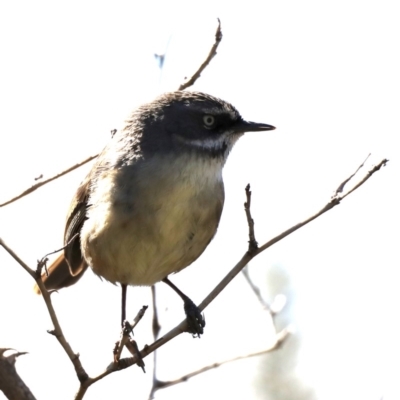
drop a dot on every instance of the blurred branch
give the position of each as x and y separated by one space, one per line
255 289
211 55
52 178
11 384
280 338
156 331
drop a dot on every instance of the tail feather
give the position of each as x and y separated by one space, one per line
59 275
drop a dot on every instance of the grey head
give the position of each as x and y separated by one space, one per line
182 121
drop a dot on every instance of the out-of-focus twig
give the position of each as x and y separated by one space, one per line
255 289
280 338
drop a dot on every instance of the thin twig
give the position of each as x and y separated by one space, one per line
343 184
280 338
255 289
52 178
211 54
190 82
366 177
334 202
253 245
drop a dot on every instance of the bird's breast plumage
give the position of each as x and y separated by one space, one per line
158 222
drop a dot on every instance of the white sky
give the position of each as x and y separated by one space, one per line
326 74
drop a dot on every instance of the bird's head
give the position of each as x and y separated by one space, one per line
191 122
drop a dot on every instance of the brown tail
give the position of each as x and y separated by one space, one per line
59 275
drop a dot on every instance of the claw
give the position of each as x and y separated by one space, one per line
196 321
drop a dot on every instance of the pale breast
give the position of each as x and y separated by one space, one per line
153 219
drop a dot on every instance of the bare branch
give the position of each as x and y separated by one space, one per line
52 178
57 331
211 54
14 255
190 82
253 245
334 202
343 184
367 176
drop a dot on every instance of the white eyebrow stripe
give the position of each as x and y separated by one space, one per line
216 142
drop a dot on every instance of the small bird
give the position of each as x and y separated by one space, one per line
152 201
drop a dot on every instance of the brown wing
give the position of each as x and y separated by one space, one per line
75 220
69 267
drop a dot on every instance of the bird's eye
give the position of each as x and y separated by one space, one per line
209 121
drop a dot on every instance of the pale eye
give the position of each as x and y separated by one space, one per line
209 121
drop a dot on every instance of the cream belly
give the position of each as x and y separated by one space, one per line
141 235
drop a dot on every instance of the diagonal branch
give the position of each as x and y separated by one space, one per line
211 55
343 184
52 178
190 82
255 289
280 339
57 331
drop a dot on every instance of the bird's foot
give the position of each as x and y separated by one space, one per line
196 321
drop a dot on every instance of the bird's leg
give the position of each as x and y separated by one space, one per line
123 304
195 320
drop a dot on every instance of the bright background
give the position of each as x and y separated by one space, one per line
326 74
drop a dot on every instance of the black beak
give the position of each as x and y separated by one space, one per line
246 126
